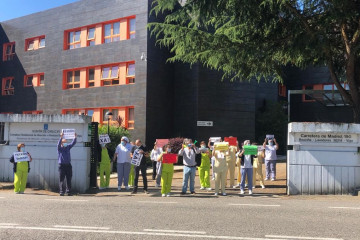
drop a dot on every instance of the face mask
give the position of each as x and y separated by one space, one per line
189 145
271 143
248 144
169 150
123 143
102 145
22 149
65 144
203 146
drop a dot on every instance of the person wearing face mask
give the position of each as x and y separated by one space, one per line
204 168
231 162
123 158
65 168
132 169
142 167
246 162
21 170
105 167
188 153
167 172
155 153
220 169
270 158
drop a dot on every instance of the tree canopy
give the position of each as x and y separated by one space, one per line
249 39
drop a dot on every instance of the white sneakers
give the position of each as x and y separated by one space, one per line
168 195
224 194
163 195
157 185
273 179
216 194
241 191
236 186
266 179
262 186
127 188
250 192
202 188
209 189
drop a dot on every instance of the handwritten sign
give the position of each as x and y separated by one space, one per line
213 140
104 138
250 150
161 142
68 133
231 140
269 136
221 146
21 157
169 158
136 159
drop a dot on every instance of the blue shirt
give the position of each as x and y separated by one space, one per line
64 152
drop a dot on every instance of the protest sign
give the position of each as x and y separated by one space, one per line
250 150
104 138
169 158
269 136
136 159
161 142
21 157
231 140
214 140
221 146
68 133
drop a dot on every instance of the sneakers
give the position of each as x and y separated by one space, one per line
273 179
236 186
209 189
262 186
119 189
127 187
253 187
213 179
266 179
193 193
202 188
102 188
168 195
224 194
183 193
62 194
241 191
163 195
146 192
216 194
157 185
246 185
134 192
250 192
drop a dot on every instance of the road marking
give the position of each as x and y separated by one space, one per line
296 237
354 208
8 224
173 231
254 205
66 200
134 233
156 202
81 227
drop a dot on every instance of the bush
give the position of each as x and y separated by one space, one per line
115 134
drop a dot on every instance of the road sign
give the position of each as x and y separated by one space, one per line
205 123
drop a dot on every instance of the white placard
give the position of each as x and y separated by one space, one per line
68 133
104 138
136 159
21 157
205 123
269 136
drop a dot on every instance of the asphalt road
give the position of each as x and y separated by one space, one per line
113 215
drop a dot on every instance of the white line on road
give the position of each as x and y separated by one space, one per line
156 202
81 227
254 205
134 233
8 224
356 208
173 231
296 237
66 200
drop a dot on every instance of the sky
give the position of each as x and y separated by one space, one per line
10 9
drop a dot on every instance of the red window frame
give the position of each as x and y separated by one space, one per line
35 112
90 40
72 83
130 79
72 44
38 83
10 90
131 33
8 56
28 40
110 80
112 36
282 90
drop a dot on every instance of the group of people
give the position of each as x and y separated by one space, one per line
221 161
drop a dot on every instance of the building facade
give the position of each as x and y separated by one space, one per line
94 56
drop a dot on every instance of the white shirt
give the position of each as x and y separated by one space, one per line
270 152
123 153
155 153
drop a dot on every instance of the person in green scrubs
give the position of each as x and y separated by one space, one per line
21 170
105 168
167 172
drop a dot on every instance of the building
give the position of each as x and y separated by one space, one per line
94 56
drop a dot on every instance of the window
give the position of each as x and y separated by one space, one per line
132 28
35 112
91 77
34 43
8 51
73 79
131 121
130 73
282 90
34 80
7 86
91 37
74 112
110 75
305 97
112 32
2 132
74 39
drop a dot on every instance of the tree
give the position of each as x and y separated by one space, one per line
255 39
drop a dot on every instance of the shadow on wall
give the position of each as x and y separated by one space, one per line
24 98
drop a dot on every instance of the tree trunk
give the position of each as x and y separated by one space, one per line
356 112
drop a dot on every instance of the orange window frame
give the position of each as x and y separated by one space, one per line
38 82
29 40
72 82
130 79
89 40
11 89
109 77
88 81
130 122
8 56
131 33
35 112
112 35
74 43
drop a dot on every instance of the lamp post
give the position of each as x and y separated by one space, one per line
108 115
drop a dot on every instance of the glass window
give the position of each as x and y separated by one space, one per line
8 86
116 29
77 76
29 80
31 45
131 70
131 121
9 52
91 37
328 87
105 73
107 30
91 77
42 79
73 79
90 112
74 40
132 27
114 72
42 43
112 32
69 77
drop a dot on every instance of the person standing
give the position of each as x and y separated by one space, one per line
21 170
220 169
246 162
167 172
231 162
65 167
188 153
204 168
270 146
105 167
132 169
155 153
257 168
142 150
123 158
